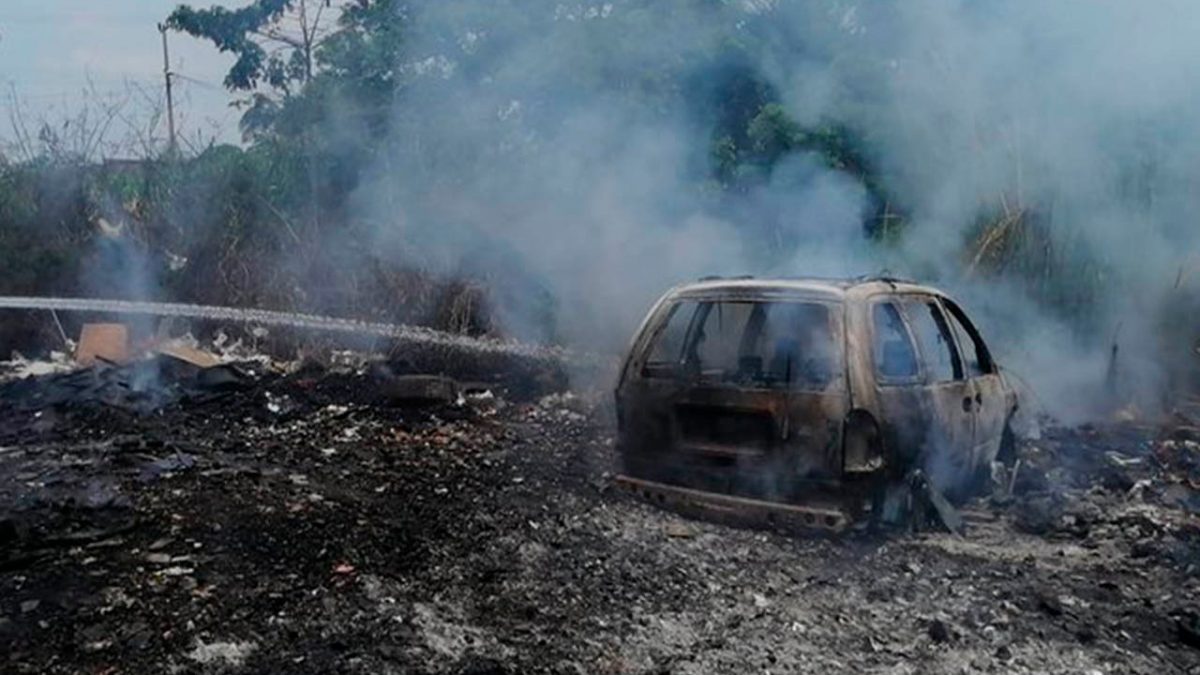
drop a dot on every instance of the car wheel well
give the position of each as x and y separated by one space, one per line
860 418
862 443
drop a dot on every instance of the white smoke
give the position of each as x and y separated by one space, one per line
1082 115
553 170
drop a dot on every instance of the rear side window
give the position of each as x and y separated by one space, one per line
666 352
752 344
942 362
978 359
895 357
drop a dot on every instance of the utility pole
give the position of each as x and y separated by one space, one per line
162 28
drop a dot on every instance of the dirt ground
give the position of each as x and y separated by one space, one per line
300 525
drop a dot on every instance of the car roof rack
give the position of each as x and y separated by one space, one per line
718 277
884 276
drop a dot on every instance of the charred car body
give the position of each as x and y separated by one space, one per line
807 399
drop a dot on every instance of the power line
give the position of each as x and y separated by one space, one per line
202 83
71 93
34 90
59 15
84 92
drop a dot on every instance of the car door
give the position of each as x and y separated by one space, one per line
920 397
650 386
948 454
990 402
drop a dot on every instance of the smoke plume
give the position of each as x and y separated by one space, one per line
1055 135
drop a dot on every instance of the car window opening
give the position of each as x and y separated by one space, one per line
895 356
942 361
787 344
978 359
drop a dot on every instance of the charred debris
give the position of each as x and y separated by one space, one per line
211 508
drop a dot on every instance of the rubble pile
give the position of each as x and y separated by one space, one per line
352 520
19 367
1138 485
141 386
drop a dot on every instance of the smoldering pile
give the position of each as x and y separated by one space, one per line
107 367
1115 481
143 386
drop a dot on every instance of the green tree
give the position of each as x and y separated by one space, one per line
276 44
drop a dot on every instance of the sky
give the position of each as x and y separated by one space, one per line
51 49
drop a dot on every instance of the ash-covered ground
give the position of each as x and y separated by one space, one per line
303 523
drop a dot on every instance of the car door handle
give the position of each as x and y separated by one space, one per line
966 404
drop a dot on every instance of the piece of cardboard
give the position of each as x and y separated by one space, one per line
102 342
196 357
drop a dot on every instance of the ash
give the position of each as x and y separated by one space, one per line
310 522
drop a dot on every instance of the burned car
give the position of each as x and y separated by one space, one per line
808 400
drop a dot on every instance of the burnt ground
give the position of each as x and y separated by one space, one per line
299 525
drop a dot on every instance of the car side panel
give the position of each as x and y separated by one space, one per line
903 412
992 409
923 425
994 400
947 455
